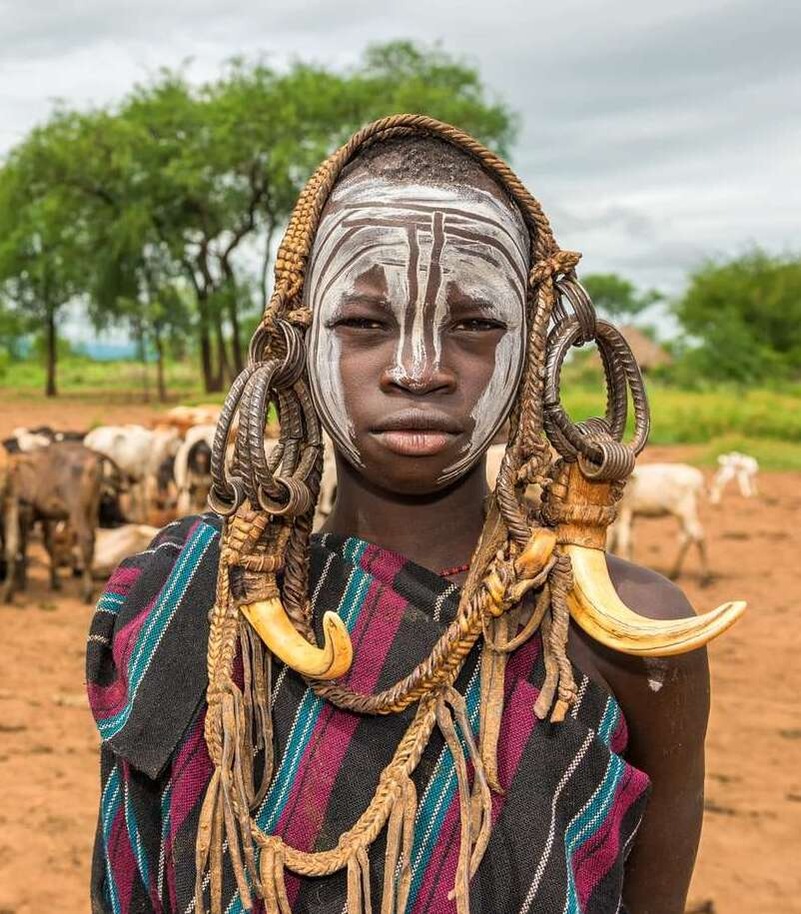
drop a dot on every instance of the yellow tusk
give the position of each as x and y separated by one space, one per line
274 627
596 607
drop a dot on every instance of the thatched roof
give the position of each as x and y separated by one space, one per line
648 353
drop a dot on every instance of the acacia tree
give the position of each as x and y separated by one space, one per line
40 241
226 163
195 182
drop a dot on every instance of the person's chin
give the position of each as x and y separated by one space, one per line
406 468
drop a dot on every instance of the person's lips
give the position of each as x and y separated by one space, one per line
417 433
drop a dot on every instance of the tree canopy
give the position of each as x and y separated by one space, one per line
161 212
744 316
617 297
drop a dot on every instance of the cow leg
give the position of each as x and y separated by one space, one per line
706 575
86 546
50 546
12 539
21 562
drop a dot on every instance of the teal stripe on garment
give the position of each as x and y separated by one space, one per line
110 602
136 839
587 822
309 709
166 799
437 798
110 801
158 621
609 721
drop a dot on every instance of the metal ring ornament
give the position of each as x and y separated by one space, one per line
599 456
223 507
298 497
223 490
293 360
581 304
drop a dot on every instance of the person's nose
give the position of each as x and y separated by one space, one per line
429 378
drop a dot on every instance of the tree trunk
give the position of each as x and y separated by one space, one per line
233 317
159 343
140 338
236 337
50 346
223 363
211 383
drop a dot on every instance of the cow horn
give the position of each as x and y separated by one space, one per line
596 607
273 626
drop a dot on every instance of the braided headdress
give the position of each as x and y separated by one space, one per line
268 504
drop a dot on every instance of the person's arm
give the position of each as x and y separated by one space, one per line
666 704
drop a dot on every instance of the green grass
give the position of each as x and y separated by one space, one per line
696 417
764 423
78 377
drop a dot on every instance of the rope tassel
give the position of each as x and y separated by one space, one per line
400 837
475 826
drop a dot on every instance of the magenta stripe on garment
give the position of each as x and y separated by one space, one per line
122 855
382 565
599 852
304 813
517 724
122 580
191 774
108 700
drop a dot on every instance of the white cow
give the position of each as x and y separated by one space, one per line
734 465
112 546
138 452
662 490
30 441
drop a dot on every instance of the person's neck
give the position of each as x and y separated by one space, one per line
437 531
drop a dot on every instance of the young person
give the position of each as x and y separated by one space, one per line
394 714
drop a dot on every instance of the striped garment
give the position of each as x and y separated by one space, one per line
562 828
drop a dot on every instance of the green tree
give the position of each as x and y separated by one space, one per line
744 316
190 185
616 297
40 248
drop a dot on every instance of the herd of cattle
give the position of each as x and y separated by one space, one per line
73 485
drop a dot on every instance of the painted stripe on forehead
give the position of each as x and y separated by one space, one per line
366 191
341 268
351 226
456 213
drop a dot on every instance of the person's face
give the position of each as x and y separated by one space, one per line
418 329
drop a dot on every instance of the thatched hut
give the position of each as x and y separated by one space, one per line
649 354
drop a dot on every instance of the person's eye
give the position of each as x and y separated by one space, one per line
361 323
478 325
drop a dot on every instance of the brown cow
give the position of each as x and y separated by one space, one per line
61 482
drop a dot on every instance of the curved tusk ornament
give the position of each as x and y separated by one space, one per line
274 627
594 603
597 608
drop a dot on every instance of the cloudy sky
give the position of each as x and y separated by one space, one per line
653 133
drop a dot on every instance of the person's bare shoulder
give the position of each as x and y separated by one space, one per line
665 701
648 686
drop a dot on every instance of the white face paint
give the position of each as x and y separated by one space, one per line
427 241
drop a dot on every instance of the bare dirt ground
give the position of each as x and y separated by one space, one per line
748 862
